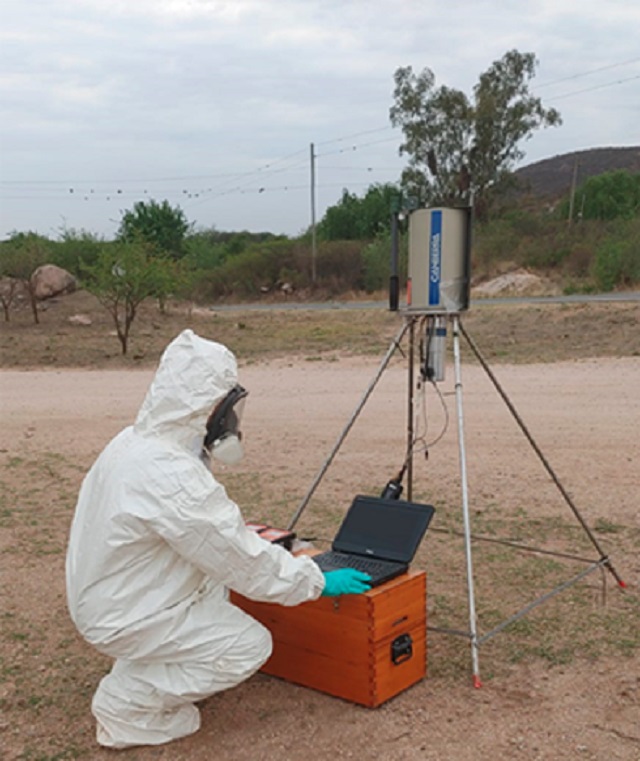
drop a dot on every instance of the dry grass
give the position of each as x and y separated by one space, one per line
47 674
522 333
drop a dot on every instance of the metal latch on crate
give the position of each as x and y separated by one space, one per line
401 649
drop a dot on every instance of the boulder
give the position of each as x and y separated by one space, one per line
80 319
517 283
50 280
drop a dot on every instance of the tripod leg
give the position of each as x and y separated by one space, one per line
387 358
411 411
465 505
542 458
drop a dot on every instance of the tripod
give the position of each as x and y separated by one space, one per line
409 328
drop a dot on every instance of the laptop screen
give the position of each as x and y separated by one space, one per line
384 528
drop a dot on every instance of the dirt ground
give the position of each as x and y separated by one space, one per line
562 683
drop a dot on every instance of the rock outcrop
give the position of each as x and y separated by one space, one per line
50 280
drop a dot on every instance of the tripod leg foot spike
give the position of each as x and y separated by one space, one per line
476 682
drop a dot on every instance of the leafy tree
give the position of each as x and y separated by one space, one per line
210 248
339 222
459 146
354 218
611 195
75 247
376 260
172 278
22 254
202 253
161 225
124 275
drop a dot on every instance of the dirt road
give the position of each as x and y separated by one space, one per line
556 702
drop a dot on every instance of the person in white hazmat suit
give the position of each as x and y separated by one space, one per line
156 544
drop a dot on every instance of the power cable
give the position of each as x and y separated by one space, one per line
226 175
229 175
355 147
591 89
586 73
355 134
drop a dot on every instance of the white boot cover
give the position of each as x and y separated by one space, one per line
150 702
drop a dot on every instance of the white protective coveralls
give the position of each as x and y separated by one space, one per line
155 545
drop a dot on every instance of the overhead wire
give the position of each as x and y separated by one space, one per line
595 87
581 74
232 183
355 134
240 182
355 147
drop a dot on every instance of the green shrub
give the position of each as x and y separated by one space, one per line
249 273
202 254
339 265
617 263
610 195
75 249
376 259
525 223
495 240
578 261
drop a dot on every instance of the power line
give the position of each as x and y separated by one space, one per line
243 188
356 134
226 177
152 180
586 73
362 168
229 180
355 147
591 89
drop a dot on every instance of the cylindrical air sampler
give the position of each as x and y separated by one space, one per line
439 260
439 276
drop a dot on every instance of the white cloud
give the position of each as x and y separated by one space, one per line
121 90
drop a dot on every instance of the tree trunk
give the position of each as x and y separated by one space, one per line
34 302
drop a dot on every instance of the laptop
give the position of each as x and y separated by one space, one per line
378 536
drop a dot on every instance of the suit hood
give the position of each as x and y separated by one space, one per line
194 374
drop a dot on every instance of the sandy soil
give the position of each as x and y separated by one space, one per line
584 415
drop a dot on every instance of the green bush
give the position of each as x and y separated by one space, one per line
525 223
359 218
339 266
376 259
201 254
495 240
75 249
250 273
208 249
617 263
610 195
264 267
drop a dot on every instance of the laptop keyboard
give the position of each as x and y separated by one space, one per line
333 561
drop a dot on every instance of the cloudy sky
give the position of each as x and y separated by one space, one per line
214 104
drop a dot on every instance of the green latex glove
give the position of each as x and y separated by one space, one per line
345 581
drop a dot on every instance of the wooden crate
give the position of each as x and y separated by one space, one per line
363 648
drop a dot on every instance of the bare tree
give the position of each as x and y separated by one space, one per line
19 259
124 275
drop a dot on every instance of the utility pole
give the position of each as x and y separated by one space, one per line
572 196
313 215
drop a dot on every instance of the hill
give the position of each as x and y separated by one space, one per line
552 177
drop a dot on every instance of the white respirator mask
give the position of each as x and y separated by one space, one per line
228 450
223 439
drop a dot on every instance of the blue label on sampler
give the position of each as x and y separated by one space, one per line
435 257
